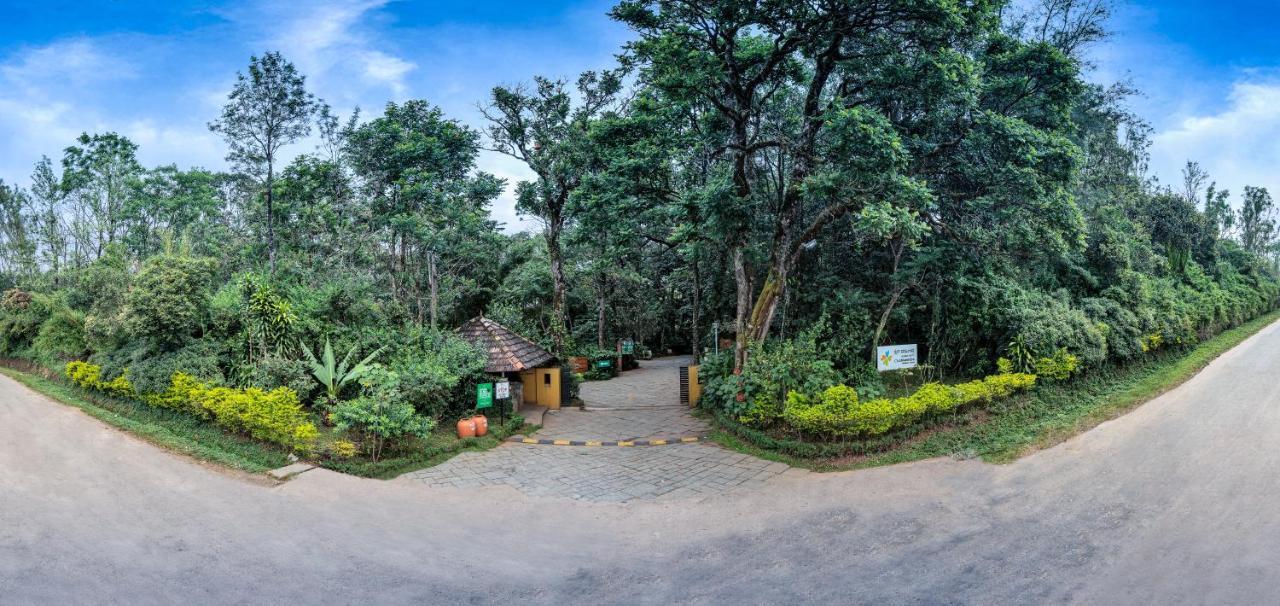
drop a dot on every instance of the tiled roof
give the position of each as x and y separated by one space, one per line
508 351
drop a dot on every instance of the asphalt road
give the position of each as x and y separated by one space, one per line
1175 503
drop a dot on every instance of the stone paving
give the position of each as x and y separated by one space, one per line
655 383
625 424
605 474
640 404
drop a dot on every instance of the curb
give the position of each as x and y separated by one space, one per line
619 443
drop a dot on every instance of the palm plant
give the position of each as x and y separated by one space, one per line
333 375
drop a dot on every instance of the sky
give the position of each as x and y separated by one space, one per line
159 72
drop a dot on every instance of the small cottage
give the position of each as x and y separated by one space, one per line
533 371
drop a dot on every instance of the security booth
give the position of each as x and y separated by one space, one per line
534 372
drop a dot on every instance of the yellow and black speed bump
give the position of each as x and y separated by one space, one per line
622 443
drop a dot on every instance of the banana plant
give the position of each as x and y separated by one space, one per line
334 376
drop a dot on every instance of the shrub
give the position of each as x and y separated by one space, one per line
1002 386
380 414
837 412
274 371
438 373
24 315
60 337
84 374
1059 367
273 416
169 300
185 393
89 376
151 370
936 398
772 371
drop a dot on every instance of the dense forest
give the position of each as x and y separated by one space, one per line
790 183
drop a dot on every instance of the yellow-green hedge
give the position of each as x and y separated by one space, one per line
836 412
273 416
89 376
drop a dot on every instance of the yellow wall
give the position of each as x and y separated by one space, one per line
695 388
529 387
542 387
549 387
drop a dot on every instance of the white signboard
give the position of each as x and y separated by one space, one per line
895 357
502 390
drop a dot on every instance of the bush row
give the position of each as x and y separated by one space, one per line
837 411
273 416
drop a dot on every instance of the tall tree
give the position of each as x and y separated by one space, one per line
795 86
268 109
99 172
1257 222
50 227
1217 210
17 249
547 130
417 166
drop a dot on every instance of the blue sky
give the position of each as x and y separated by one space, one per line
158 72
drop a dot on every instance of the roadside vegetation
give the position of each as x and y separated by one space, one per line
1004 432
791 184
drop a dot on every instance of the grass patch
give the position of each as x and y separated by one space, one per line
171 430
1013 428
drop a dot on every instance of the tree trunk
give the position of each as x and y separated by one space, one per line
600 314
433 285
271 219
695 338
556 261
744 308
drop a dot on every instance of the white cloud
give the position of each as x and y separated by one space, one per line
64 64
382 68
1238 145
40 99
332 43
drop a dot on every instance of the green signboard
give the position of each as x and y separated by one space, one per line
628 347
484 395
604 363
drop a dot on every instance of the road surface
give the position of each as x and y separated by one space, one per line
1175 503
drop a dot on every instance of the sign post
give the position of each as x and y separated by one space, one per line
895 357
502 391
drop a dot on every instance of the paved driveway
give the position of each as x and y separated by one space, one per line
1172 504
640 404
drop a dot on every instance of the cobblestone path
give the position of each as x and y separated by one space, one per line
639 404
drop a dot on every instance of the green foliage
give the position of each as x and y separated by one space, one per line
61 337
380 413
1059 367
268 318
334 375
273 416
838 413
169 301
772 371
275 371
151 370
438 373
